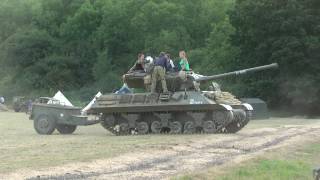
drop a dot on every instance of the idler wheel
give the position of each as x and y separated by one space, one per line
155 127
208 127
142 127
175 127
189 127
108 121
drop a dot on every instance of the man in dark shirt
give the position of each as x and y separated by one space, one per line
159 72
139 64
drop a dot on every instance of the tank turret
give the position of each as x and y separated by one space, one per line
180 81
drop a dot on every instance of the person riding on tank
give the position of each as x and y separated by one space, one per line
139 64
160 66
184 68
184 64
171 66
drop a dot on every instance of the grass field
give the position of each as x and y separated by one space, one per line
296 162
22 148
284 164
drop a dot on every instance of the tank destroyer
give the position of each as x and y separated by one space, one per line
186 109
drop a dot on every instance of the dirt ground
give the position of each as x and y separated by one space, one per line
162 161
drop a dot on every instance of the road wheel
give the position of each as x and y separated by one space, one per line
66 129
156 127
189 127
209 127
123 128
43 124
142 127
175 127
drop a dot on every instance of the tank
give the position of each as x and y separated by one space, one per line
186 109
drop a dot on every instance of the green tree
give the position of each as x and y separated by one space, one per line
286 32
106 79
82 46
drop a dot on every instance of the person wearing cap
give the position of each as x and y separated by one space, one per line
159 72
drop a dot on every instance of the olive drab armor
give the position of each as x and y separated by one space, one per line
186 109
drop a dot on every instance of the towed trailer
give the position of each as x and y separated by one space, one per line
49 114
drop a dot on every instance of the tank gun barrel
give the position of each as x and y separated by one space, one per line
239 72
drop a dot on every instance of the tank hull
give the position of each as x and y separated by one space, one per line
182 112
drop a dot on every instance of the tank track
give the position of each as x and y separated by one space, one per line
182 122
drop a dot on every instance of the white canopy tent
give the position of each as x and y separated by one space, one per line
63 100
85 109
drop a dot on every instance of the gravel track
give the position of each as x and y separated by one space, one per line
213 150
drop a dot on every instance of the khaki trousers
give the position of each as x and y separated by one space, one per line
159 74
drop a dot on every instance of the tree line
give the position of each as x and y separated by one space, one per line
82 46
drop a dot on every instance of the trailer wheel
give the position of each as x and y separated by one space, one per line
66 129
43 124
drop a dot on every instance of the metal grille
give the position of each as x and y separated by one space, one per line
125 98
139 98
